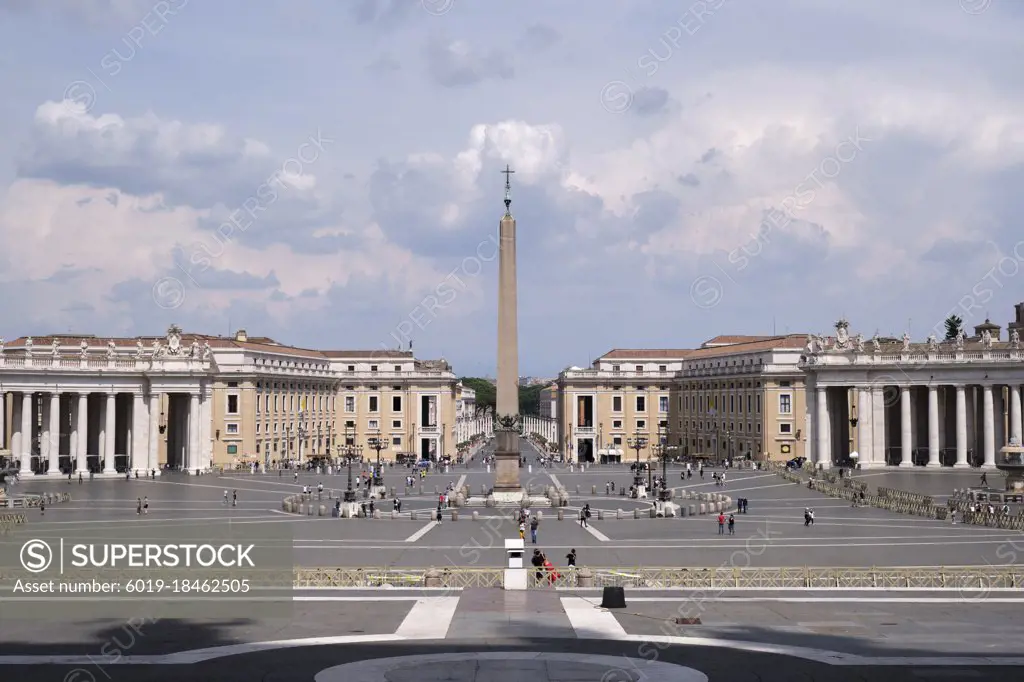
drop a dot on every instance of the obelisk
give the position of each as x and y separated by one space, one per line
506 454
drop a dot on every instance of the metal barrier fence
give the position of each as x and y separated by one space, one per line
904 496
33 500
930 577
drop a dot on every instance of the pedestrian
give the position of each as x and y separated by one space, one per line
522 531
570 558
371 507
538 562
79 478
583 518
234 498
952 517
721 523
225 498
807 517
138 506
732 525
145 505
534 525
812 517
439 518
42 507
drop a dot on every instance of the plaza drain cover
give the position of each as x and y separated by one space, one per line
687 621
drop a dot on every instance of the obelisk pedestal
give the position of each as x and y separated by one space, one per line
506 454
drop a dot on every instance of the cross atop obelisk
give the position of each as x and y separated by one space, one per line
506 453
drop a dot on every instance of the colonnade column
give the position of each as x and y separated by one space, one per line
140 457
54 434
933 426
961 426
154 431
193 431
83 431
27 432
205 424
906 434
109 466
3 421
16 424
878 424
989 427
1015 424
864 425
824 454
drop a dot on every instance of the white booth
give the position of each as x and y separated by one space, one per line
515 571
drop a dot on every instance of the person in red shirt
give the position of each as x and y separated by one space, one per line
721 523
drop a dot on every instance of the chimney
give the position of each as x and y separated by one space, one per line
241 336
1017 324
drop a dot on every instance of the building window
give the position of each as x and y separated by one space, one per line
616 403
373 403
396 423
785 404
232 449
785 428
373 424
396 441
351 368
758 403
615 368
232 404
732 404
662 368
617 441
233 428
616 423
373 368
641 424
663 403
396 403
257 427
350 403
785 384
641 403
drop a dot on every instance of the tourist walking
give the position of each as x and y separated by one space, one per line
732 525
226 498
439 513
234 498
145 505
721 523
42 507
807 516
522 531
79 478
570 558
984 480
534 525
138 506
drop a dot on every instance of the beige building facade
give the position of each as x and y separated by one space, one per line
735 396
193 402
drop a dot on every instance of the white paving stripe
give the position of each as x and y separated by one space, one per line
429 618
461 482
601 537
590 621
412 538
960 599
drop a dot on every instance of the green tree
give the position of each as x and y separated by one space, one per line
487 395
954 325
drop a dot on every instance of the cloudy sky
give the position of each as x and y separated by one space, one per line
328 173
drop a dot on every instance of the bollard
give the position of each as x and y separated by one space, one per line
309 509
577 490
421 489
619 514
323 510
584 578
476 515
693 510
376 513
593 490
682 511
455 515
394 514
540 515
561 514
483 490
654 513
670 512
437 491
600 514
636 513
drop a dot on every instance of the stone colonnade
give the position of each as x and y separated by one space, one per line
106 431
903 424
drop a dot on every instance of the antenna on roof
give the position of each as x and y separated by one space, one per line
773 325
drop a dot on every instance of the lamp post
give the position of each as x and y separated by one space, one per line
377 443
637 442
350 452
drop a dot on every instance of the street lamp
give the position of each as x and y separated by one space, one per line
350 452
637 442
377 443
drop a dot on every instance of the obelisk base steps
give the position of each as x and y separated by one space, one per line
506 462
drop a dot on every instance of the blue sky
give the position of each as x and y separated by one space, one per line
327 173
